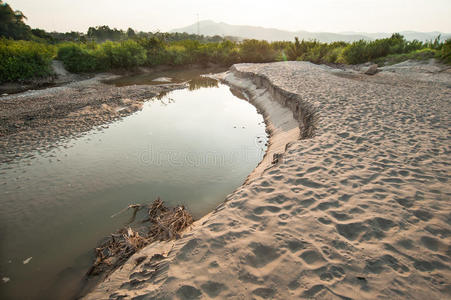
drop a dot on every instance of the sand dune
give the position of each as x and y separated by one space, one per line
360 209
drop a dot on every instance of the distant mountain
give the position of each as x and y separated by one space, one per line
211 28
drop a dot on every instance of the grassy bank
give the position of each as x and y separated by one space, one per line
26 53
22 60
87 57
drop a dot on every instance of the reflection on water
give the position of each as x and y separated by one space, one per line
201 82
191 147
196 83
173 75
162 95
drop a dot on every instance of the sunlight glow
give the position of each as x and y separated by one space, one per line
320 15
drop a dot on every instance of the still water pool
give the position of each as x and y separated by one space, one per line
192 147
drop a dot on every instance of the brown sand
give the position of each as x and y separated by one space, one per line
358 210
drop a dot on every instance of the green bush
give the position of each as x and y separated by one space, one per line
254 51
123 55
364 51
228 53
77 58
296 50
82 52
423 54
334 55
414 45
302 50
446 52
315 51
22 60
175 55
355 52
155 50
98 57
224 53
436 44
396 45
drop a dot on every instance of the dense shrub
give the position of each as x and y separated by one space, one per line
414 45
446 51
223 53
436 44
315 51
254 51
22 60
77 58
226 53
363 51
335 55
422 54
94 57
126 54
154 48
355 52
296 50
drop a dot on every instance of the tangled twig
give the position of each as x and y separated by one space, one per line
162 223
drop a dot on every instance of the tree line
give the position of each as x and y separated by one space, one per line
27 53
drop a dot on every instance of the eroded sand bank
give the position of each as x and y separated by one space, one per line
358 209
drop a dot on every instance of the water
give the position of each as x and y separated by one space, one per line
191 147
172 75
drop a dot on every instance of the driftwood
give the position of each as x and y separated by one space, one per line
162 224
135 207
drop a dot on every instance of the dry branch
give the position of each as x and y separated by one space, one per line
162 224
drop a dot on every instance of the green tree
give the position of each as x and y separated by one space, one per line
12 23
131 33
105 33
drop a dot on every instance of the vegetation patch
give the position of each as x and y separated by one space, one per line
21 60
422 54
26 53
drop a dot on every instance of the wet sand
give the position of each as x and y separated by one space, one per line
356 209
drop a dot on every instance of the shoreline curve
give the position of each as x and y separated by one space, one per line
359 210
283 129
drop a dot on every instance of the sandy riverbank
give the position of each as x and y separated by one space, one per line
359 209
40 119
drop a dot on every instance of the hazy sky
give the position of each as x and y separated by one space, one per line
310 15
